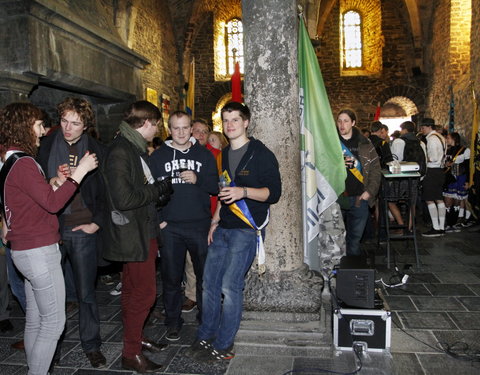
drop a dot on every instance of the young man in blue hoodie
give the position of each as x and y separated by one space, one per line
251 174
186 218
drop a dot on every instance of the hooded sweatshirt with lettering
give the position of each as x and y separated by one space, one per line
189 203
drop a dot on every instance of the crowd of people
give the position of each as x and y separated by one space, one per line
443 164
195 205
71 205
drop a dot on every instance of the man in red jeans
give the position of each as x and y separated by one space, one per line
132 227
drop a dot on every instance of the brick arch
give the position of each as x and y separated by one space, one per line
210 99
394 94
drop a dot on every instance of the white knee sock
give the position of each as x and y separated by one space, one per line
461 213
467 214
441 215
432 209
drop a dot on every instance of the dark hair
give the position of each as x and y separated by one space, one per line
235 106
375 126
349 113
179 114
385 127
409 126
139 112
456 138
80 106
157 142
16 126
365 131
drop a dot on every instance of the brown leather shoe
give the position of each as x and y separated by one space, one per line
19 345
188 305
153 347
140 364
97 359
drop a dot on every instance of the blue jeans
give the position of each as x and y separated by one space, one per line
81 250
355 219
15 279
177 239
229 257
45 292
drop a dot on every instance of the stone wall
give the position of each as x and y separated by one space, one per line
153 38
361 92
209 90
452 57
475 51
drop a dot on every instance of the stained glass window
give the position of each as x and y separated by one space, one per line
352 40
234 44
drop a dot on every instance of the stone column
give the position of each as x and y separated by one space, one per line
271 92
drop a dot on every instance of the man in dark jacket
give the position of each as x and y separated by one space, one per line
81 219
131 227
252 181
363 179
381 146
186 217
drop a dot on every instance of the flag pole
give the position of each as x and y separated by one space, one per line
302 162
473 136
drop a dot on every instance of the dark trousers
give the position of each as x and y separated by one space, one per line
177 241
81 250
355 218
138 296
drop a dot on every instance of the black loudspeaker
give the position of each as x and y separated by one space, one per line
355 283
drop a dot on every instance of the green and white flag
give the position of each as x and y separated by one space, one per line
323 169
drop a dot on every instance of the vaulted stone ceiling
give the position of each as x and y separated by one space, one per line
186 14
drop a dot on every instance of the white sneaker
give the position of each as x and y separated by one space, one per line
117 290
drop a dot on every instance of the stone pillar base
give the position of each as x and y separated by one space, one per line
298 291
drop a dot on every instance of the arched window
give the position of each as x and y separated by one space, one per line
234 44
352 40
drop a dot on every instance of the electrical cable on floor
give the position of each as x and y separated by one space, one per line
402 279
448 349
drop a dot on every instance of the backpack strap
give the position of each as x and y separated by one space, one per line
4 173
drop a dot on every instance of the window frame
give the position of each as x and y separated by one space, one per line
241 59
343 39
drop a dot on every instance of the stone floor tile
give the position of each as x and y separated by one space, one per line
449 290
12 369
437 303
341 362
471 260
458 277
408 289
400 303
260 365
441 364
459 342
429 320
471 303
422 277
466 320
475 288
183 365
412 341
434 259
406 364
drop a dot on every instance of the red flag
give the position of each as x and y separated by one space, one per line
236 85
377 113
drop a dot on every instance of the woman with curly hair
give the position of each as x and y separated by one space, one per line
31 227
